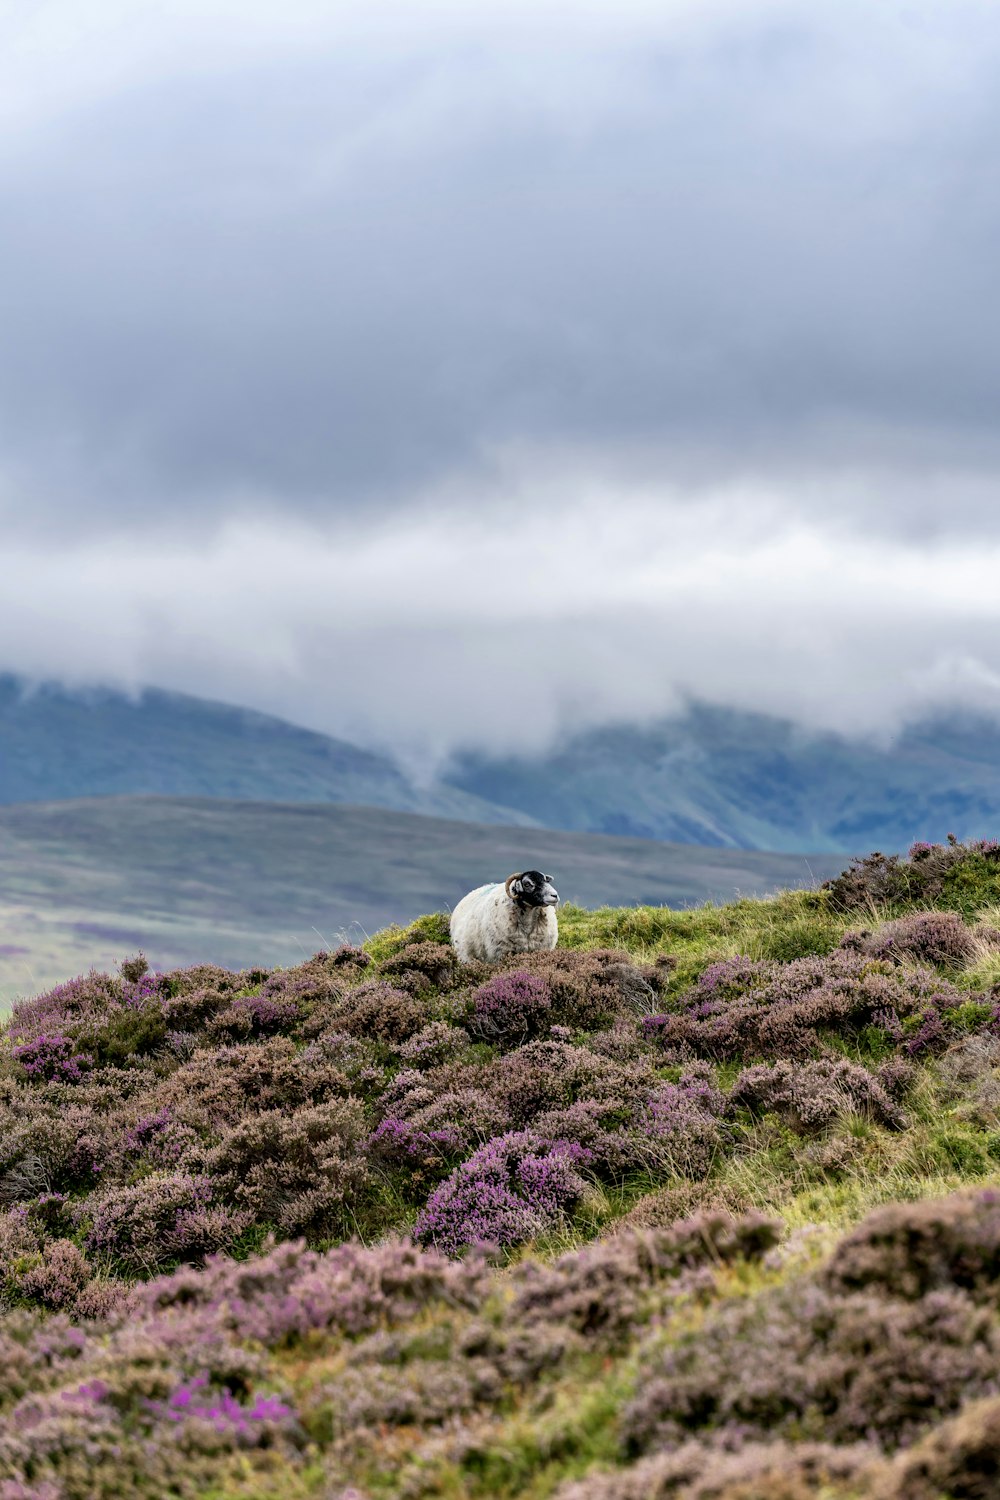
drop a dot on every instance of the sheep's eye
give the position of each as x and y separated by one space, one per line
528 883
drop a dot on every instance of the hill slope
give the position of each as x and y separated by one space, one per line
241 882
740 1177
57 744
754 782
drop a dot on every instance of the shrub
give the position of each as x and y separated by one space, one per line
436 961
510 1190
603 1291
59 1277
52 1057
378 1011
910 1249
296 1170
802 1360
743 1009
810 1096
960 1459
756 1471
165 1217
589 987
290 1291
513 1005
934 937
964 877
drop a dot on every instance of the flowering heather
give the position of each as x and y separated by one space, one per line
910 1249
512 1189
803 1361
786 1010
933 937
813 1095
52 1057
511 1006
963 877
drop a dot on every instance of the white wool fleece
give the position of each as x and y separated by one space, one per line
488 924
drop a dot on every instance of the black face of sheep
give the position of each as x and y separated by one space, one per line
532 888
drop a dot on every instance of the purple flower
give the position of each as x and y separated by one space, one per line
512 1189
52 1057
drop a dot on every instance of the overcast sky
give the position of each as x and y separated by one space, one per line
445 375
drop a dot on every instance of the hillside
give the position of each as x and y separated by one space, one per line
702 1205
57 744
711 776
242 882
750 781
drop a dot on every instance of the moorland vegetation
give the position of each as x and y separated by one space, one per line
701 1205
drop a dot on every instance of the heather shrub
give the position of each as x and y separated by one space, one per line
436 961
589 987
191 1010
378 1011
511 1007
910 1249
963 877
48 1057
436 1043
810 1096
741 1009
162 1218
290 1291
251 1016
926 937
57 1279
296 1171
218 1086
755 1471
604 1290
512 1189
803 1361
960 1459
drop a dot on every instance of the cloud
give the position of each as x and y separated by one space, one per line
449 375
327 258
434 634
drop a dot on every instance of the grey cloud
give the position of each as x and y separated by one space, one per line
349 279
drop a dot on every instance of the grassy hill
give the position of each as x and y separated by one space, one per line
190 879
740 1172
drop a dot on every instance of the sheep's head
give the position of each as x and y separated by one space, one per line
532 888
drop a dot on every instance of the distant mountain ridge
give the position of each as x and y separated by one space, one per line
714 776
56 744
721 777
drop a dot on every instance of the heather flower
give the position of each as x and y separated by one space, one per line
52 1057
910 1249
813 1095
935 937
58 1278
510 1190
511 1005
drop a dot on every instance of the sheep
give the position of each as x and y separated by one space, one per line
494 921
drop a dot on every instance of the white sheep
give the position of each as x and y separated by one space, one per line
495 921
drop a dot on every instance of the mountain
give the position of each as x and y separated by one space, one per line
56 743
711 776
719 777
198 879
